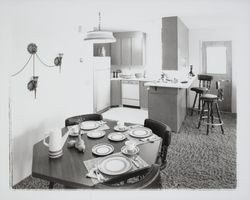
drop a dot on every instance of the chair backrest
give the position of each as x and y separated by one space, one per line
205 80
80 118
150 180
163 131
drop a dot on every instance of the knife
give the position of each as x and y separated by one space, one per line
135 163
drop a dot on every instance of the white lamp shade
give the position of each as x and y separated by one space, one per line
100 37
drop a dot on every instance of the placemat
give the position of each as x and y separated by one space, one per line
103 127
90 164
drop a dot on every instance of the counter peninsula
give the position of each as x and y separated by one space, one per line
167 102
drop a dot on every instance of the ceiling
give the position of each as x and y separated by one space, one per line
122 15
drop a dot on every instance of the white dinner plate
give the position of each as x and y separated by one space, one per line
116 137
121 129
125 151
96 134
140 132
114 165
90 125
102 149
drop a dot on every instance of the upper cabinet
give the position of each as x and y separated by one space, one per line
129 49
175 47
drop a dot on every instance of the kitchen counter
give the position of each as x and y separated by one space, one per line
133 79
170 84
167 102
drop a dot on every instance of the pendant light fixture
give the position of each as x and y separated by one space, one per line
99 36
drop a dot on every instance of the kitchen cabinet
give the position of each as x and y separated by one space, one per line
143 95
175 46
116 52
167 105
116 93
129 49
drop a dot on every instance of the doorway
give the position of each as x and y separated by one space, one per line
217 62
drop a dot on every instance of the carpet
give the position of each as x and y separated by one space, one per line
194 160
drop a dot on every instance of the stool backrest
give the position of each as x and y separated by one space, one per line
220 90
205 80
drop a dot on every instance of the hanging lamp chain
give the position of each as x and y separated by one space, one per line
99 24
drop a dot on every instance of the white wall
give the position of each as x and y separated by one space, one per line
59 95
196 36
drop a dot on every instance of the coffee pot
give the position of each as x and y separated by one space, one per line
56 142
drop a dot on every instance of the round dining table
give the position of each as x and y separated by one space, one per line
69 169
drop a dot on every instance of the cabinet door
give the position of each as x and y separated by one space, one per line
116 97
143 95
126 51
137 51
116 52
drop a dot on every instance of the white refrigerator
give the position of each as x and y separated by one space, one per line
101 83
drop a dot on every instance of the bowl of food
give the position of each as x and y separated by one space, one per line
126 76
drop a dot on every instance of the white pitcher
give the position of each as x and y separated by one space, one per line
56 142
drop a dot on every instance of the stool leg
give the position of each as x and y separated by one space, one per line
199 103
208 116
201 114
212 114
51 185
218 113
193 104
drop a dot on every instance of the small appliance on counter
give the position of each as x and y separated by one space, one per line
116 73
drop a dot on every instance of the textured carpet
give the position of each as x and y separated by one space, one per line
195 160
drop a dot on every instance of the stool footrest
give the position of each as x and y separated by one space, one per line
214 124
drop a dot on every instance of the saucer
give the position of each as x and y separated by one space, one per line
121 129
116 137
125 151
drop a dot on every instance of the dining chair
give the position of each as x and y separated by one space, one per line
80 118
150 179
163 131
204 86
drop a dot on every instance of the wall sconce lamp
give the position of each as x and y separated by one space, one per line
32 49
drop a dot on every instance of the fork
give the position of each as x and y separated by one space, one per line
99 176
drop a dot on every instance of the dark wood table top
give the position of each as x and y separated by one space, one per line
70 170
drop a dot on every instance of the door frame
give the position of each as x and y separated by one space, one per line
228 76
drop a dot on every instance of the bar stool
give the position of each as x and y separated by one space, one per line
204 86
210 100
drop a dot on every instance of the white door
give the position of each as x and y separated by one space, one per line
217 61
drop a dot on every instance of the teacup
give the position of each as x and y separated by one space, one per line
120 124
74 129
130 146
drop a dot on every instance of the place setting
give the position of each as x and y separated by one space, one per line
108 164
89 127
141 135
105 168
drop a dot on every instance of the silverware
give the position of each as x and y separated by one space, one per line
135 162
99 176
149 139
138 160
